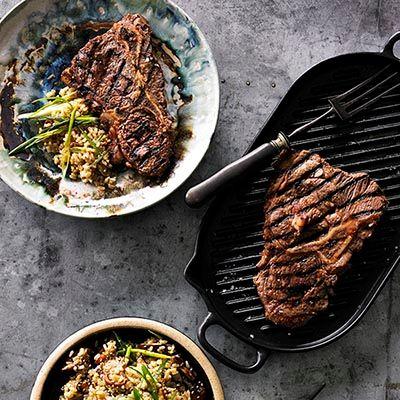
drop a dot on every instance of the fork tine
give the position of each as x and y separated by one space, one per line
371 101
362 84
362 95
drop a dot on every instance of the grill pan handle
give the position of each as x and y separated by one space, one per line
210 320
389 46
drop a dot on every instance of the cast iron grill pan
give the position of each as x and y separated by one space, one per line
230 239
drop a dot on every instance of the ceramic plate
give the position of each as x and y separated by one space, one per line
35 38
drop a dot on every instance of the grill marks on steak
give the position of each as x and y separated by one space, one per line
316 217
119 75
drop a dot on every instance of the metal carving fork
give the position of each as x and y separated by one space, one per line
345 105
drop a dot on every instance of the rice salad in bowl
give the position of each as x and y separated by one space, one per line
127 358
120 370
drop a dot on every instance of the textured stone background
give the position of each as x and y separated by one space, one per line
58 274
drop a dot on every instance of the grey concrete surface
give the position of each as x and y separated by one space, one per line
58 274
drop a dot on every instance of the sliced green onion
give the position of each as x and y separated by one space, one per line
137 370
35 140
84 119
149 379
151 382
128 352
45 134
89 139
99 158
49 109
155 334
150 353
137 395
57 98
66 151
78 150
161 367
173 395
120 343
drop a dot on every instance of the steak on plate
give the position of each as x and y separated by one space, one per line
119 75
316 217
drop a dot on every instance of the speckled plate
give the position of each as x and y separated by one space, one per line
21 32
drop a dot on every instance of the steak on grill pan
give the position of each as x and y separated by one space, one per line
119 74
316 217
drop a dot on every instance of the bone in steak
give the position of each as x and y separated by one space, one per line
118 73
316 217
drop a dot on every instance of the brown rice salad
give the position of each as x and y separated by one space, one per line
151 370
73 138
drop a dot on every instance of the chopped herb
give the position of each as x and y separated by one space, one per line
89 139
42 136
150 353
58 105
99 158
66 151
137 370
172 396
122 345
155 334
151 382
137 395
84 119
78 149
161 367
128 352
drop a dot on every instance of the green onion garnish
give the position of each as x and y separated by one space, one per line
35 140
58 105
137 395
150 353
151 382
161 367
66 151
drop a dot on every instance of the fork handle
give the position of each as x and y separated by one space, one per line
199 194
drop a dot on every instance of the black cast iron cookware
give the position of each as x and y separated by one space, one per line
230 238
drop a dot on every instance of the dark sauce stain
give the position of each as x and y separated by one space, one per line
35 174
96 26
7 128
169 61
177 80
178 153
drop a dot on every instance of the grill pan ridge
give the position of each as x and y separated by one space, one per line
230 240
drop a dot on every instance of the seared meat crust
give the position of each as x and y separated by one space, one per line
119 75
316 217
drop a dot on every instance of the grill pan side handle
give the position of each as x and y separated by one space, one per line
210 320
389 46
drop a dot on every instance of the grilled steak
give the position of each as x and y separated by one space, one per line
118 73
316 217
